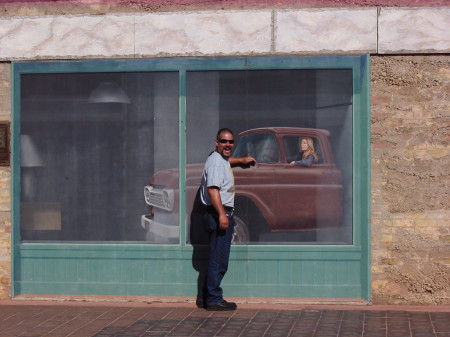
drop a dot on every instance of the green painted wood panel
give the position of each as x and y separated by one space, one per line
168 271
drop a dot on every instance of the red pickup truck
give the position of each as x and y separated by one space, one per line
271 196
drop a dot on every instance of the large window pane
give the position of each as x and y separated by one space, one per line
270 112
89 144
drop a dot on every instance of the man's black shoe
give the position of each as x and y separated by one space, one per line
200 304
222 306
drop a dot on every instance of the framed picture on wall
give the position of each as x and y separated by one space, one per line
4 144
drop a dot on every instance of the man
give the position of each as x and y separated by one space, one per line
217 194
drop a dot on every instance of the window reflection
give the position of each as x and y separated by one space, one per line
98 150
98 154
271 111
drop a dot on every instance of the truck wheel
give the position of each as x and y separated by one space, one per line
251 216
240 233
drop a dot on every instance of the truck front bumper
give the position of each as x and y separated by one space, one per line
159 232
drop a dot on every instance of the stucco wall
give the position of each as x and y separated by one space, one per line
410 179
5 178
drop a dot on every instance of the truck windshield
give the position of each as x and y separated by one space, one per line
262 147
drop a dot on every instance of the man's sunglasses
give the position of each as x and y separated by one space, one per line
224 141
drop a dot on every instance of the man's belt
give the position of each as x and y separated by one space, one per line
211 209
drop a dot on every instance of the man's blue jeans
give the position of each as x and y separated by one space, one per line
219 254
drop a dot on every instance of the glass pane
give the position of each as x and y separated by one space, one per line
90 143
286 198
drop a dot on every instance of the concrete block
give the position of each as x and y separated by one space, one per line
108 35
62 36
400 223
426 223
388 261
25 37
203 33
414 30
379 284
326 31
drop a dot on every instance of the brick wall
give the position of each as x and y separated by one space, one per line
410 179
5 178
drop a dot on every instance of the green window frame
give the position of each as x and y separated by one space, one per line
53 256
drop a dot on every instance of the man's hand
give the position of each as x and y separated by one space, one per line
223 222
242 161
248 160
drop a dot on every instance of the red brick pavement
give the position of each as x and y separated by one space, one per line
129 319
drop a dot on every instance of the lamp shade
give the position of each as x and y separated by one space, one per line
108 92
29 155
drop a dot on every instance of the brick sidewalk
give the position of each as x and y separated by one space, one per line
157 320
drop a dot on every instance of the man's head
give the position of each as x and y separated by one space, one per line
225 142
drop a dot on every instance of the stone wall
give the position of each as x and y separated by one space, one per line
5 194
410 179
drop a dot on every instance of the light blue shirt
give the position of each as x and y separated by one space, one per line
218 173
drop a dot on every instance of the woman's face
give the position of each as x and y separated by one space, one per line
303 145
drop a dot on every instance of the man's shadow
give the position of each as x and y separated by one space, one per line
199 239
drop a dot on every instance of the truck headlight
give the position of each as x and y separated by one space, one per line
147 194
166 199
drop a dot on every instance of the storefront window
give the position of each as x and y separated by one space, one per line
89 144
281 200
102 152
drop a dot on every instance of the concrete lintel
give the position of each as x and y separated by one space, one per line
327 31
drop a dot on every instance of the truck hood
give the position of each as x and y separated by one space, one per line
170 177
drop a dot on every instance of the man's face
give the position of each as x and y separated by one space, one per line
223 145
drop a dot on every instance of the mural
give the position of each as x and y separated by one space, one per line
271 196
91 142
282 199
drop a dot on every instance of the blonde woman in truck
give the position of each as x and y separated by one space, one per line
307 156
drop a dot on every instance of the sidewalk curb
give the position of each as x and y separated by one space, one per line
243 303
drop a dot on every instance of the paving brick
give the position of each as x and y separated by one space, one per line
104 321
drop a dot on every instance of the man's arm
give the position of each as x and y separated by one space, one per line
242 161
216 201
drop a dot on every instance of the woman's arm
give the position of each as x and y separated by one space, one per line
298 156
305 162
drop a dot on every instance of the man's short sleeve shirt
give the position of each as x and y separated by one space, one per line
218 173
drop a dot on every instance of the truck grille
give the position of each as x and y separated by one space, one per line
159 197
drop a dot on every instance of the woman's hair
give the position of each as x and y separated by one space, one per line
310 151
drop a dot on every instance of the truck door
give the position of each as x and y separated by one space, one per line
308 198
255 188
